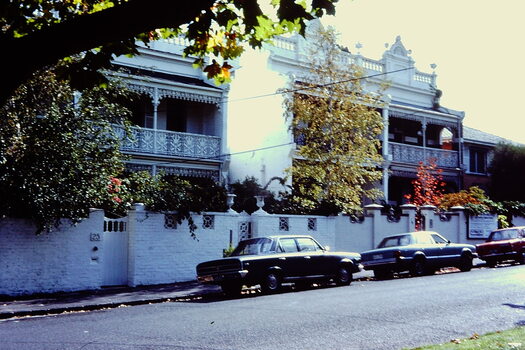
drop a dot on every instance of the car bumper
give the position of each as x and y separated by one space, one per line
222 277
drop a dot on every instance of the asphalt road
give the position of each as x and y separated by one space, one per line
393 314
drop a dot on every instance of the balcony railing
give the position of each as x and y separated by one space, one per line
414 154
169 143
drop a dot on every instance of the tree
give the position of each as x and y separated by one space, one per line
52 165
336 127
35 34
428 187
506 168
473 200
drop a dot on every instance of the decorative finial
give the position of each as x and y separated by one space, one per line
386 45
433 66
358 46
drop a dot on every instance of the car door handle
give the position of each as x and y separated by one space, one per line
307 257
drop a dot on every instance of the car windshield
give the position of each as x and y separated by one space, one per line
395 241
254 246
503 235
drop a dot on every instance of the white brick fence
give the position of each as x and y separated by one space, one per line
151 248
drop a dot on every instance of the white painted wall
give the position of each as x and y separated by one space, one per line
63 260
162 255
66 261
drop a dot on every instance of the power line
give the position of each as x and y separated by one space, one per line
182 161
317 86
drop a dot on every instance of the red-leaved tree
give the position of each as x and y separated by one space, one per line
428 187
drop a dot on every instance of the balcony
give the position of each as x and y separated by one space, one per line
414 154
169 143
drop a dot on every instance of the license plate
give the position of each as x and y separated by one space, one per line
377 256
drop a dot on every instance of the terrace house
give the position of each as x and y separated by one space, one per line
416 127
179 123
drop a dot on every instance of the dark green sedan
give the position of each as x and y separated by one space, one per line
419 253
271 261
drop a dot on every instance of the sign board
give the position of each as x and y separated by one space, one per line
480 226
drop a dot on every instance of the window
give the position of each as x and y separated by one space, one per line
396 241
288 245
424 238
438 239
478 161
307 245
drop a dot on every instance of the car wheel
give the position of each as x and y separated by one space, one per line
231 289
465 263
271 283
418 267
381 274
343 276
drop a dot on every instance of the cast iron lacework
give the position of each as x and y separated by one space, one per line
170 221
115 226
244 230
312 224
392 217
208 222
284 224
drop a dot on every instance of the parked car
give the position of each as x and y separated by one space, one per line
271 261
502 245
420 253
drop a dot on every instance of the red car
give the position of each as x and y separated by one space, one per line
502 245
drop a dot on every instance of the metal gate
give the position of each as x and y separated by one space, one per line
115 253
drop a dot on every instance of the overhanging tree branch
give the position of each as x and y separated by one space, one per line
123 22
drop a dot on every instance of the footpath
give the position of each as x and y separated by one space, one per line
104 298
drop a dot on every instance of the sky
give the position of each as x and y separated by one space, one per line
477 45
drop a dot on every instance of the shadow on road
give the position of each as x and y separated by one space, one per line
252 293
515 306
519 307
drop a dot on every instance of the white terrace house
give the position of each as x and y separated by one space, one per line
179 123
416 126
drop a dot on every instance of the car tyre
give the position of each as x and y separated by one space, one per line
343 276
418 267
231 289
465 263
271 283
